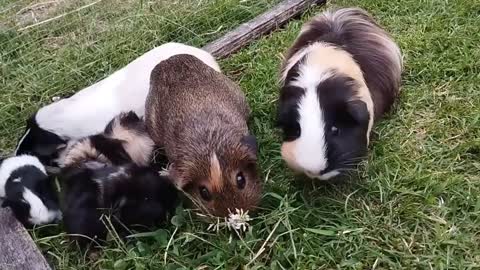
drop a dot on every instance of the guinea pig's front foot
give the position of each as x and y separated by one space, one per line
166 172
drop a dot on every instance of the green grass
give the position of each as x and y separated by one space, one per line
417 203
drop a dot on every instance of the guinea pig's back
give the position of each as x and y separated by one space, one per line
184 88
370 46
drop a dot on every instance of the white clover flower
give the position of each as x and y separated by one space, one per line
238 220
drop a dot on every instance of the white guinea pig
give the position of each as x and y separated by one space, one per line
89 111
26 188
342 73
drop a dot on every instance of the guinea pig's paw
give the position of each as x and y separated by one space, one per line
166 171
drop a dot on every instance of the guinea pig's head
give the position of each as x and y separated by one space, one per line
29 192
222 180
39 142
148 200
325 124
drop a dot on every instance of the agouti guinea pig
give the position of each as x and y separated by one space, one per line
124 140
131 195
342 73
26 188
199 117
88 111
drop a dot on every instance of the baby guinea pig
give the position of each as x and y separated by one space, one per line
26 188
88 111
131 195
342 73
199 117
124 140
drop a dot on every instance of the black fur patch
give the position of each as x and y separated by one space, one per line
111 148
82 209
346 122
287 114
40 143
131 195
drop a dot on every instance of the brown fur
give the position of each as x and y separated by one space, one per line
199 117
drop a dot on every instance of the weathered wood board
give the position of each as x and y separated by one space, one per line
259 26
17 249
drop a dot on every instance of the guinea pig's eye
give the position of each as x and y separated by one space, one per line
240 180
334 131
205 194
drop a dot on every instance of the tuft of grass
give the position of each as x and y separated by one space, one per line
416 204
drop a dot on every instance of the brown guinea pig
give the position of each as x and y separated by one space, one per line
199 117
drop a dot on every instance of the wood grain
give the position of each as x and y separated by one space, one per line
261 25
17 249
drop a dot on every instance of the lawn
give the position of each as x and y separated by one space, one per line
416 203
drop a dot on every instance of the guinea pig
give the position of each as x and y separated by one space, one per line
133 196
88 111
199 117
26 188
125 140
341 74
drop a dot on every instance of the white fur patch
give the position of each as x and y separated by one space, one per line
39 213
17 180
11 164
310 148
125 90
325 176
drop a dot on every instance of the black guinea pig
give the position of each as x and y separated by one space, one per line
133 196
342 73
26 188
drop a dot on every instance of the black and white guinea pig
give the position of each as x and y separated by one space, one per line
342 73
89 111
26 188
131 195
124 140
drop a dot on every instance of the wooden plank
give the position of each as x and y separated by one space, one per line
259 26
17 249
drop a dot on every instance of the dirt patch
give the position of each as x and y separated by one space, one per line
38 11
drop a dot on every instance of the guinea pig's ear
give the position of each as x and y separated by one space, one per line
251 142
357 109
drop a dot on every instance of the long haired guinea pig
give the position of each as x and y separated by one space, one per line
342 73
125 140
131 195
26 188
199 117
88 111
